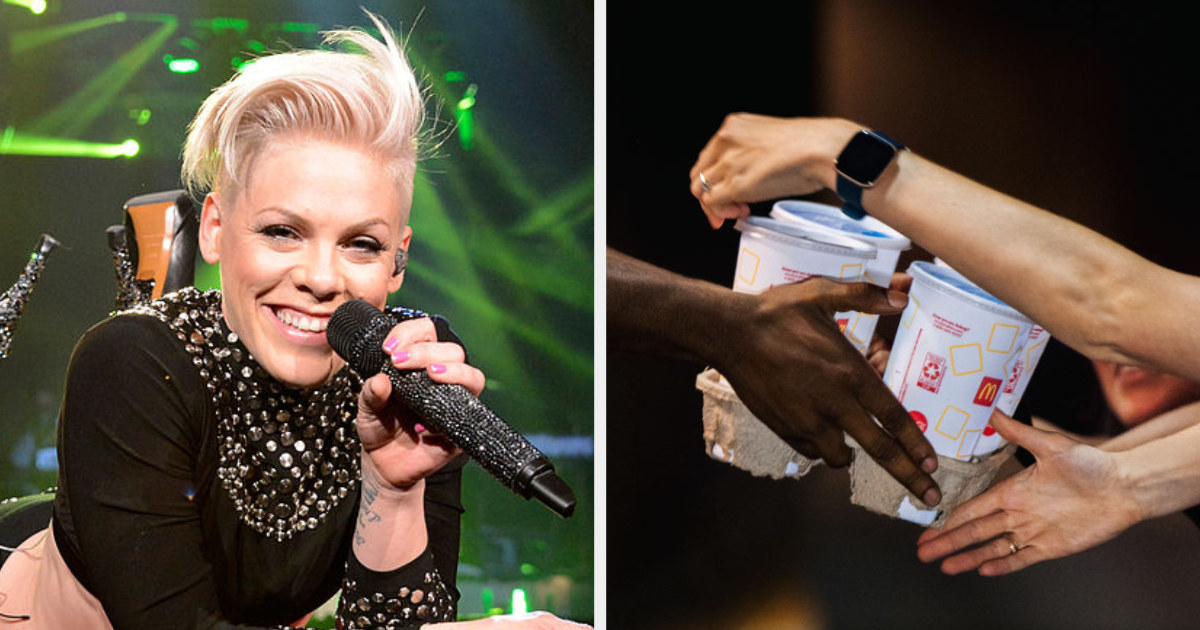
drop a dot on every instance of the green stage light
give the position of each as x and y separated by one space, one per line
181 65
520 605
466 117
13 143
36 7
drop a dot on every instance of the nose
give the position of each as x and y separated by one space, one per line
318 273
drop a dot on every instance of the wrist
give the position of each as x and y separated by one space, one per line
1137 491
387 491
835 136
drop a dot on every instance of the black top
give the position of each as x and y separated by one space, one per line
197 491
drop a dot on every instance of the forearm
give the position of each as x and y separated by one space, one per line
657 311
390 531
1165 425
1163 475
1098 297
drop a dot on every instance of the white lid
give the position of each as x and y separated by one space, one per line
951 282
814 237
868 228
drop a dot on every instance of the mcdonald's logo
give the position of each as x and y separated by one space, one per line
842 323
988 388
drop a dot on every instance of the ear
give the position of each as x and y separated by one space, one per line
210 229
395 281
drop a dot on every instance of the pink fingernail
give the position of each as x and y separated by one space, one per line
419 428
437 368
400 357
390 344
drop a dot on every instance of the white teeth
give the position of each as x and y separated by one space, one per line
302 322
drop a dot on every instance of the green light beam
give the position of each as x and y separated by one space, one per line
28 40
12 143
73 116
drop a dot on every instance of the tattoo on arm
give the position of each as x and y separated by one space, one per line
366 513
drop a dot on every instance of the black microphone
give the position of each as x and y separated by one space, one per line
356 332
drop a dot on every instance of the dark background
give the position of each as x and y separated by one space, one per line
503 242
1079 108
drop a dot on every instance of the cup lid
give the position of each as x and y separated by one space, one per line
868 228
951 282
815 237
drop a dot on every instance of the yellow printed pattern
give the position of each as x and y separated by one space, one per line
1003 338
966 359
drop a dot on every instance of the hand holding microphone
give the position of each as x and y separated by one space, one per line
357 331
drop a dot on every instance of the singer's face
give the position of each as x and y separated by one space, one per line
315 224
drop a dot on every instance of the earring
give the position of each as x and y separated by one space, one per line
401 260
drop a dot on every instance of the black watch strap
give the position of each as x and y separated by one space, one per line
864 147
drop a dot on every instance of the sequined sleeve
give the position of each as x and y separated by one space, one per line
424 590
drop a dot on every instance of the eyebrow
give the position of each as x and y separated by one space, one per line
301 219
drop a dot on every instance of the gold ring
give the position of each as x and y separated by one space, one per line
1012 545
704 183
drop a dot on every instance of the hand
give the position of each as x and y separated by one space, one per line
531 621
795 371
401 452
756 158
1072 499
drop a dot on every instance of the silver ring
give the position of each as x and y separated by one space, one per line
1012 545
704 183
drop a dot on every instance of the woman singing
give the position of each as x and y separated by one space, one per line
219 465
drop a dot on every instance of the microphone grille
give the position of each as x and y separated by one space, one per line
356 332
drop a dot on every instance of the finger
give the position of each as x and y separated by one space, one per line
860 296
458 373
424 354
881 403
901 282
409 332
1035 441
893 457
994 550
832 444
935 544
375 393
1026 556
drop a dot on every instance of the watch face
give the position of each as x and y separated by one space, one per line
864 158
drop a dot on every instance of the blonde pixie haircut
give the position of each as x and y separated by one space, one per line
368 99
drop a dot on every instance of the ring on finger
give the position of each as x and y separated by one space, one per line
704 183
1013 547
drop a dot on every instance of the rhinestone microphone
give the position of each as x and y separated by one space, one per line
356 332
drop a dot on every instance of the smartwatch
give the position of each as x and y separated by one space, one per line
859 166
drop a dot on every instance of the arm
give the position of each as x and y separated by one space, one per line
783 355
127 449
1097 296
1074 498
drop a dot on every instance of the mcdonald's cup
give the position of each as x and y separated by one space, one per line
955 350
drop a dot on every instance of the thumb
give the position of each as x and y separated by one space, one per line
375 393
867 298
1032 439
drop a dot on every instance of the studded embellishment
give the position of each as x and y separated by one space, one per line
287 457
406 607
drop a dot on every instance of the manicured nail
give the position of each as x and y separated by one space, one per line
400 357
897 298
419 428
390 344
437 368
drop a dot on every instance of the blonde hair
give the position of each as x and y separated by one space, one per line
367 98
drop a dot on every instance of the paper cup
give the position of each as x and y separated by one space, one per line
775 252
1020 373
888 242
954 349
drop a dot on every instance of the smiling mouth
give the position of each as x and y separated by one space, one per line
302 322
